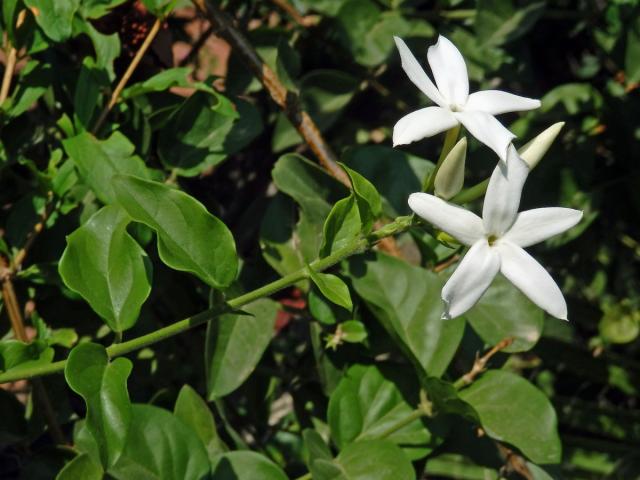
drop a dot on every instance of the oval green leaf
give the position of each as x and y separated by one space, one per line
108 268
332 287
246 465
190 239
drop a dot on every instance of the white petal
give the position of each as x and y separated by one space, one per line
471 279
533 151
502 199
417 74
531 279
422 123
495 102
534 226
487 129
461 224
449 70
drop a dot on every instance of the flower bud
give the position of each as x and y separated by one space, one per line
450 176
533 151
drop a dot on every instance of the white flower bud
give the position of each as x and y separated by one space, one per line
450 176
533 151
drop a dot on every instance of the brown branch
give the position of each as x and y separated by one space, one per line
286 100
12 56
17 324
293 13
480 364
127 74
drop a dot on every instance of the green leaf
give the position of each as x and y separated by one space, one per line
98 161
103 386
246 465
190 239
87 94
367 197
97 8
160 447
235 344
366 460
107 47
81 467
34 80
410 311
17 355
332 287
54 17
353 331
159 8
194 412
341 227
632 52
493 317
514 411
371 399
323 94
499 21
173 77
205 130
108 268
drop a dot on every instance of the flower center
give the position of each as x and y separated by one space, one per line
454 107
491 239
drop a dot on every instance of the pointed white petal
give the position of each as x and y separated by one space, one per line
533 151
487 129
534 226
495 102
450 71
471 279
461 224
422 123
502 199
531 279
417 74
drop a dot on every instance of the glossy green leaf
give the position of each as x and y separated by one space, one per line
173 77
353 331
107 47
332 287
16 355
368 401
190 239
235 344
367 197
108 268
103 385
98 161
493 317
410 311
343 225
160 447
205 130
245 465
81 467
194 412
514 411
366 460
97 8
54 17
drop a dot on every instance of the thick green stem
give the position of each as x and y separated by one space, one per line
449 142
472 193
356 246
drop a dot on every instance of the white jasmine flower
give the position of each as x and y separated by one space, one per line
497 240
455 106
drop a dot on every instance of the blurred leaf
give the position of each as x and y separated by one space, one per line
366 460
159 8
368 401
98 161
514 411
410 311
103 385
173 77
105 265
235 344
499 21
107 47
353 331
245 465
620 323
88 89
54 17
194 412
205 130
33 82
494 318
184 227
160 447
97 8
81 467
332 287
632 52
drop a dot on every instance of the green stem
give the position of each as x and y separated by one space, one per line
449 142
472 193
356 246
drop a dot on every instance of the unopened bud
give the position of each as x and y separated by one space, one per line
533 151
450 176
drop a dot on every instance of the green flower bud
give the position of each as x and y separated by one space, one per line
450 176
533 151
